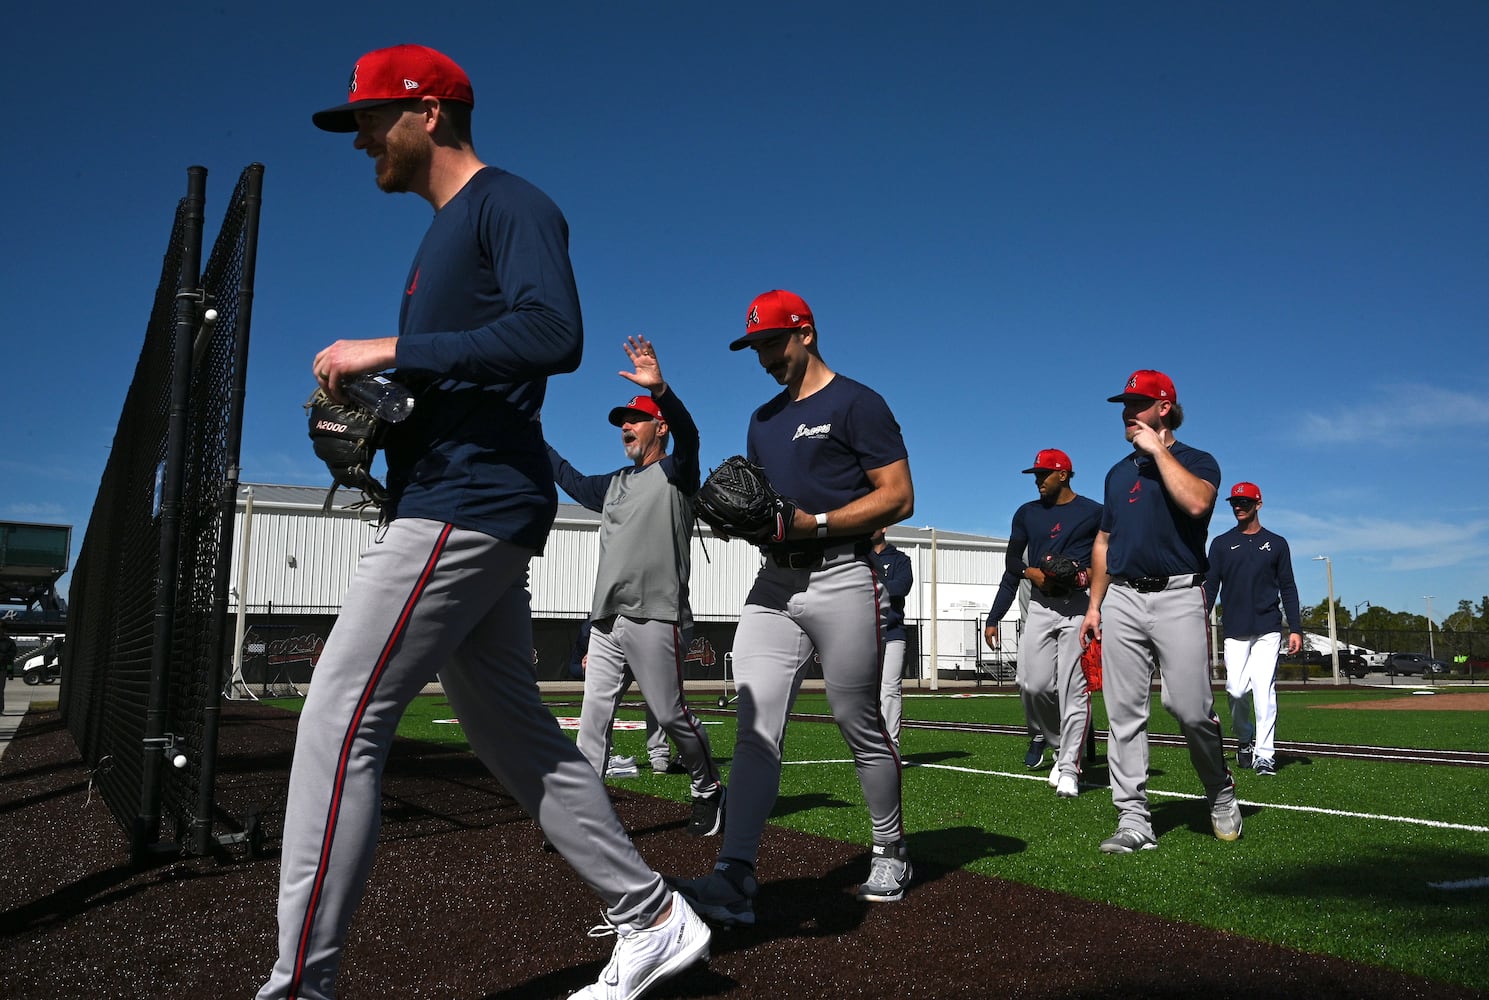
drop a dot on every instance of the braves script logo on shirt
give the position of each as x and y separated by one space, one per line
1265 548
1055 530
816 433
1136 492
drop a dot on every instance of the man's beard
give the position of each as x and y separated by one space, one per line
401 163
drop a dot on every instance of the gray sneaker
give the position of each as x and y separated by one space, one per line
1265 766
1127 842
724 896
621 767
889 874
1226 819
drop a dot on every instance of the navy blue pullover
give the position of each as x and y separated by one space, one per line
489 311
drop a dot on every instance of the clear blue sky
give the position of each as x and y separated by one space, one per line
997 211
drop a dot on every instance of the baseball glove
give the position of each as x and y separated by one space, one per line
1091 665
1063 575
346 437
739 502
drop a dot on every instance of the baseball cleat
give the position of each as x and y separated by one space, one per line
1226 820
621 767
1245 754
1128 841
724 896
645 955
1068 788
889 874
1265 765
708 814
1034 756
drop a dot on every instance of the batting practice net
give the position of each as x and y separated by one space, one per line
143 667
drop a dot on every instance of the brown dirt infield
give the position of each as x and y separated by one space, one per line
462 903
1455 701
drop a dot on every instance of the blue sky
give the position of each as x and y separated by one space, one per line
996 211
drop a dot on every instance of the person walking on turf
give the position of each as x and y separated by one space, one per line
1254 568
832 445
641 616
489 311
1148 608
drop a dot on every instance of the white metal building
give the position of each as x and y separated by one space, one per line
290 557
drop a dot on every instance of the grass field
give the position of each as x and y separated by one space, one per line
1374 861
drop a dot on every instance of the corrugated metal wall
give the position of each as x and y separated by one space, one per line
302 559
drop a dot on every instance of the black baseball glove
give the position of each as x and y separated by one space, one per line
1063 576
346 437
739 502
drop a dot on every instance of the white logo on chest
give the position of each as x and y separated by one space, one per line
818 432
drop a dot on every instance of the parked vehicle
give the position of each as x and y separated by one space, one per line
1353 665
1414 663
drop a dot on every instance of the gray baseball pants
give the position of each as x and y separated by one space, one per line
834 611
654 652
427 598
891 693
1164 630
1054 686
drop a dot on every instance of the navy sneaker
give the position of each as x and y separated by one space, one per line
1245 755
1035 756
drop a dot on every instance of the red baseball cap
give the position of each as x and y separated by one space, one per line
771 313
383 76
1052 459
1245 491
638 404
1145 383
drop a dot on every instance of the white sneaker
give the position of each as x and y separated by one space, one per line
621 767
644 956
1068 788
1055 775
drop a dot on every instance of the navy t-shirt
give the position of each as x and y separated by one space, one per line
1039 529
1150 536
489 311
816 451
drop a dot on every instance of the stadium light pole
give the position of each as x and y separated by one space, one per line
1431 652
1333 633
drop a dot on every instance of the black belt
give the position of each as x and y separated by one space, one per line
815 555
1153 584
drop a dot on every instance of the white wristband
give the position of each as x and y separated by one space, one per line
821 525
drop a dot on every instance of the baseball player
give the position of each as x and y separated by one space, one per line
832 445
1052 685
1255 568
641 617
489 311
898 576
1148 608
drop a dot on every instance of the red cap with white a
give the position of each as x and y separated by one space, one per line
396 74
771 313
1245 491
1145 383
1051 460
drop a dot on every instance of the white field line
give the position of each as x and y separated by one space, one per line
1412 820
1468 883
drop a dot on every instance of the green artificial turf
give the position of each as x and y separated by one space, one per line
1348 872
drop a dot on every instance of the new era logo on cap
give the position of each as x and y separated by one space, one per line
1052 460
642 405
394 74
1145 383
773 312
1246 491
